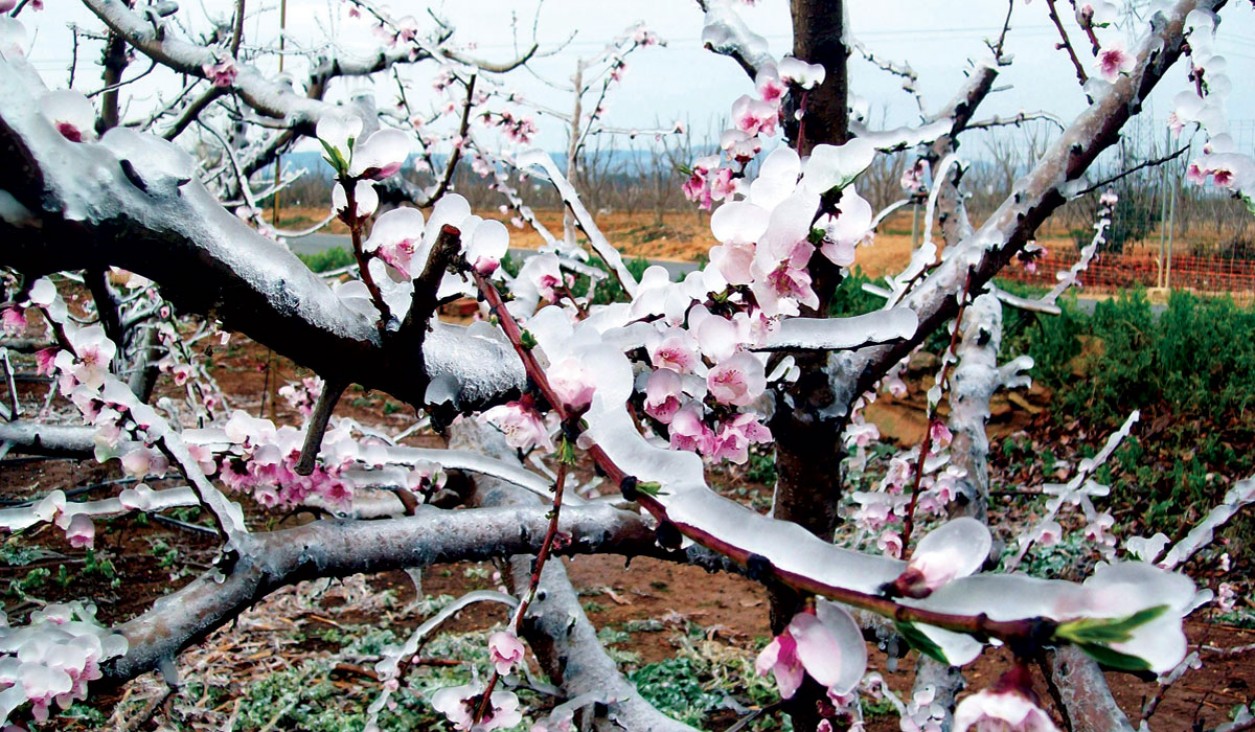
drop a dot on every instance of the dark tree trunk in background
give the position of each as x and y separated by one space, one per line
809 447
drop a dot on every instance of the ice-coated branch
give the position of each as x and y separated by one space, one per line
92 213
1080 484
833 334
1238 497
341 548
1036 196
1087 701
725 33
977 377
601 246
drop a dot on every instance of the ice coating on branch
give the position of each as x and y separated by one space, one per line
842 333
1239 496
365 198
154 165
1114 591
902 138
725 32
604 249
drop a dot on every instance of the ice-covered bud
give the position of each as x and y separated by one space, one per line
1109 199
221 74
826 644
71 113
395 238
365 199
851 225
940 435
505 650
1114 60
737 380
571 383
337 132
770 86
380 155
522 425
663 390
1009 706
489 243
458 704
81 532
797 71
957 548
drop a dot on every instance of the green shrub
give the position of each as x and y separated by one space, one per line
328 259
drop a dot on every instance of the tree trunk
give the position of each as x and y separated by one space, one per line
809 446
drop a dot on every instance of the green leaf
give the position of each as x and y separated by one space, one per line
527 340
1113 659
334 158
649 488
1107 630
916 639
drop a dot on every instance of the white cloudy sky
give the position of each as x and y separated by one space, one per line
682 81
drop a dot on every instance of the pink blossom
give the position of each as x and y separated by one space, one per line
1197 173
45 360
14 320
571 384
940 435
458 704
826 644
1222 177
395 238
737 380
1114 61
735 436
754 116
677 350
505 650
222 74
689 431
522 425
769 85
890 542
662 395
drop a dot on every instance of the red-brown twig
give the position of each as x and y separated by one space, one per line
537 567
1066 43
927 443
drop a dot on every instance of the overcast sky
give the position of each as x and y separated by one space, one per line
683 81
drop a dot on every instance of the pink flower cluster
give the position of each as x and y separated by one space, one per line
53 658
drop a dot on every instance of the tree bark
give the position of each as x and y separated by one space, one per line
809 446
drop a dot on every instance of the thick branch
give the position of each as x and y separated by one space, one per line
93 215
340 548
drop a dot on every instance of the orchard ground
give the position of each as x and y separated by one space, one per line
303 658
